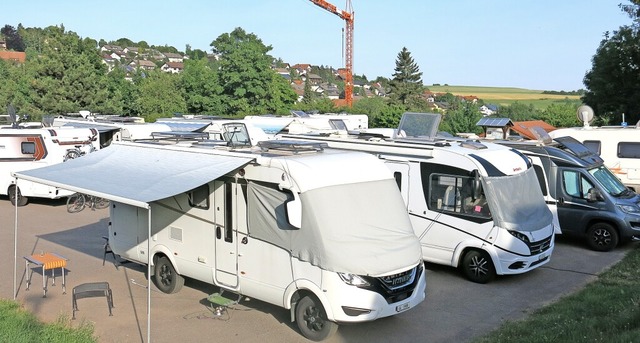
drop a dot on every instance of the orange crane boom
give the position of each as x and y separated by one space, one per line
347 16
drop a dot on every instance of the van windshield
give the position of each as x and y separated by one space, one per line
608 181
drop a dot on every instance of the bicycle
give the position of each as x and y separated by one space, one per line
77 202
77 152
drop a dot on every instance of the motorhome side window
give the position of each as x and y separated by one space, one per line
593 146
199 197
575 185
453 193
28 148
628 150
540 177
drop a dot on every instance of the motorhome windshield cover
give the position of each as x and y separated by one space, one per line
342 229
515 203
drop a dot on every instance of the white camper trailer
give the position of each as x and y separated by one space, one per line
292 224
619 146
25 149
476 206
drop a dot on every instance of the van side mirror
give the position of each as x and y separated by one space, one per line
594 195
294 212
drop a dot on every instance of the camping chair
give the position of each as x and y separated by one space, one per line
219 303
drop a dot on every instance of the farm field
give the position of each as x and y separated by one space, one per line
506 95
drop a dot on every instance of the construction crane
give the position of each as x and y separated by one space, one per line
347 16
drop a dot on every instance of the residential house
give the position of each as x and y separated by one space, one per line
110 48
131 50
302 69
16 56
313 78
143 64
488 109
172 67
284 72
109 61
523 128
173 57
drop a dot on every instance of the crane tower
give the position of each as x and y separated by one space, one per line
347 16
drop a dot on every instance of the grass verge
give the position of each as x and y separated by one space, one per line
606 310
20 326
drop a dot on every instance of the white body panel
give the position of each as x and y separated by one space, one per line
626 165
25 149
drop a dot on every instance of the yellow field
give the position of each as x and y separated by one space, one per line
505 95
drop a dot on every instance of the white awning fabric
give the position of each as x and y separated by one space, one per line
135 174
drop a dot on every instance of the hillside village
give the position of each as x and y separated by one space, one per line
133 59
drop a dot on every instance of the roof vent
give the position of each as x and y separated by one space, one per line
292 146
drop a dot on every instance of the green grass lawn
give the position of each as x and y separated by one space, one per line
19 326
606 310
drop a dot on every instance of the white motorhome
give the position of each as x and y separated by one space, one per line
619 147
25 149
318 231
113 128
476 206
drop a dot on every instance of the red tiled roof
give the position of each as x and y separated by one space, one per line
522 127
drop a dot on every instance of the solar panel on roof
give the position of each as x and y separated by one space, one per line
494 122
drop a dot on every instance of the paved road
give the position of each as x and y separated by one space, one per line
455 310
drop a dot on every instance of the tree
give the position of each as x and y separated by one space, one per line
160 95
613 86
202 90
463 119
249 84
12 38
407 78
561 114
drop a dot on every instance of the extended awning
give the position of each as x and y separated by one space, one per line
135 174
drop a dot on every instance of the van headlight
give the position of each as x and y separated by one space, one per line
630 209
519 235
353 280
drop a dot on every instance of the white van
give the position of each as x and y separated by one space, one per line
25 149
475 206
318 231
619 147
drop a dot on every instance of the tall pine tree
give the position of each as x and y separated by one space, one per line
407 78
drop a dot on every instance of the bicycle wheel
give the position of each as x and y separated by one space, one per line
100 203
75 203
71 154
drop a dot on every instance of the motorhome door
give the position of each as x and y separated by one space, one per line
226 269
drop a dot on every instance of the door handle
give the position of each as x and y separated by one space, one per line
560 200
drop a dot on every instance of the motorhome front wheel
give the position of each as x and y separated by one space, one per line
312 319
16 197
166 277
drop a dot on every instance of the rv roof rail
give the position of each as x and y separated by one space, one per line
438 143
179 135
292 146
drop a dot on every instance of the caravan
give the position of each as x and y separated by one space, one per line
25 149
476 206
290 223
619 146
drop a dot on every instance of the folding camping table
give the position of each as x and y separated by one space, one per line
47 261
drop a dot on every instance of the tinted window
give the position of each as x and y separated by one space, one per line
199 197
628 150
28 148
593 146
540 176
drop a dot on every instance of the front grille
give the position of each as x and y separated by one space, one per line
395 287
540 246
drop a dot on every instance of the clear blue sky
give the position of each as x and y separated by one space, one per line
535 44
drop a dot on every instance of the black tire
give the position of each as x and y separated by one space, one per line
75 203
17 198
166 278
478 267
312 319
101 203
602 237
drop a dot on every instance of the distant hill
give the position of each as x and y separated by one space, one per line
506 95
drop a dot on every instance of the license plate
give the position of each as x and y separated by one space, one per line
402 307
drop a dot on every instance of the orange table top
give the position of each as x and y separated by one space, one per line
49 260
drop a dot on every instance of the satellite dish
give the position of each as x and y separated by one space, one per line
585 114
11 111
